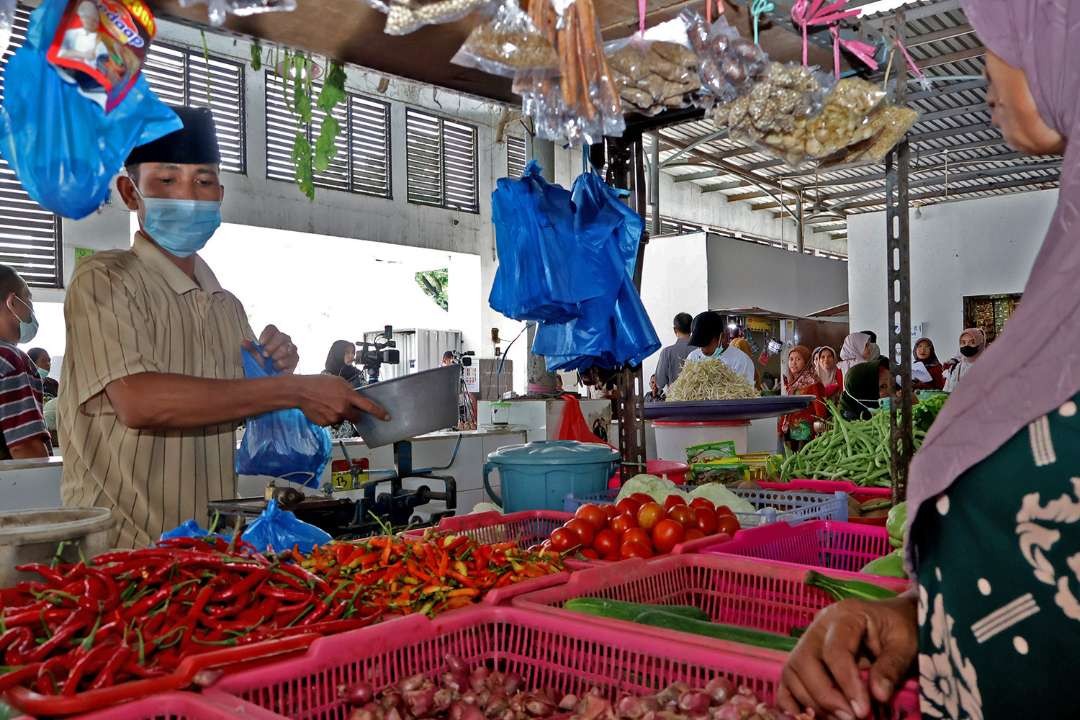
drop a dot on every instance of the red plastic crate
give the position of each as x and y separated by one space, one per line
181 706
730 590
546 650
821 544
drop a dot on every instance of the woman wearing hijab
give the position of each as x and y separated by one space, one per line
972 344
798 427
864 386
925 353
339 361
825 366
856 349
993 507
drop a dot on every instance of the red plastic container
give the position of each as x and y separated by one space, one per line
858 492
820 544
545 649
730 590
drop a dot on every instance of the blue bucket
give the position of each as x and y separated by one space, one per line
539 475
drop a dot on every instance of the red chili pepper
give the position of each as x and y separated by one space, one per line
50 574
17 677
287 594
89 662
47 675
242 588
116 661
78 620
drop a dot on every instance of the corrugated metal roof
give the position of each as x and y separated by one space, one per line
956 154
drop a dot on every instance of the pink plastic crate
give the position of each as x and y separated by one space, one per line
730 590
181 706
546 650
821 544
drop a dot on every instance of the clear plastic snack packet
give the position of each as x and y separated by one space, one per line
888 124
218 10
730 64
653 75
409 16
508 44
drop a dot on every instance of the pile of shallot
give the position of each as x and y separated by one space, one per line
483 694
719 700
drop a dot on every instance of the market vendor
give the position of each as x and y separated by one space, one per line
707 334
992 629
23 433
148 413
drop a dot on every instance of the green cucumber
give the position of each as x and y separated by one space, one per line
848 589
746 636
620 610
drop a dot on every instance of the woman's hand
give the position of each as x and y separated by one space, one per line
822 673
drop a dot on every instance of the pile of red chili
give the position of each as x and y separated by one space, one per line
135 614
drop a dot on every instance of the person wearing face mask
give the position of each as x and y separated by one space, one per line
707 334
149 412
22 422
972 344
44 366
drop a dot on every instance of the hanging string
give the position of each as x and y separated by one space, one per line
805 13
708 9
642 11
915 69
757 9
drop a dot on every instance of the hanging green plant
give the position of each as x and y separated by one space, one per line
301 77
333 93
256 56
301 157
333 90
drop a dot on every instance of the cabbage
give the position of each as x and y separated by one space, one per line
895 524
485 507
656 488
892 565
720 495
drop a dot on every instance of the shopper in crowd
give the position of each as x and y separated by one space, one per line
671 359
149 412
743 344
707 334
828 373
339 361
992 629
22 423
856 349
924 353
447 358
972 344
654 394
865 385
797 428
41 359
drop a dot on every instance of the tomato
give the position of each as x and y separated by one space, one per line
590 553
666 535
683 515
700 502
673 500
584 531
610 511
622 523
563 539
635 535
724 510
593 515
727 524
606 543
705 520
642 498
627 505
694 534
635 550
649 514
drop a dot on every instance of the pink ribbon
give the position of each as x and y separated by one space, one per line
708 9
642 11
859 49
805 13
915 69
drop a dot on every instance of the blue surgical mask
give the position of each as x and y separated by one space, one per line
181 227
43 373
27 329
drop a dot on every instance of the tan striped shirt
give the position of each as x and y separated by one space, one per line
130 312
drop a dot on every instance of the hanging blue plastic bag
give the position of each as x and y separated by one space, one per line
63 147
539 276
284 443
190 529
277 530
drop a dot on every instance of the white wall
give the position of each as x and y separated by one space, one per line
674 279
744 274
975 247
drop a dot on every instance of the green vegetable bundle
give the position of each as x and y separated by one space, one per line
856 450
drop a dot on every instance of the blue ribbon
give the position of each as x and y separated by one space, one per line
757 9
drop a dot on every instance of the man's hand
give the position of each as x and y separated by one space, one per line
822 673
327 400
278 347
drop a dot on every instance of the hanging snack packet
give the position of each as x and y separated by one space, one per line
653 76
100 45
406 16
508 44
730 64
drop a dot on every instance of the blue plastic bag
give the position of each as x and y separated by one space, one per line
537 277
189 529
278 530
614 329
284 443
63 147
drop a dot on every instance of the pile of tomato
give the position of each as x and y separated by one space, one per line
638 526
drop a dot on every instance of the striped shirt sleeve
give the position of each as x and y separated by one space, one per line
110 329
20 406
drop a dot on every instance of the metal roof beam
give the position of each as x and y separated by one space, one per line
732 185
703 175
956 177
937 195
746 196
932 37
939 90
938 60
951 112
949 132
913 13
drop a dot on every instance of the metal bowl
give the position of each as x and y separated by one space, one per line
419 403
